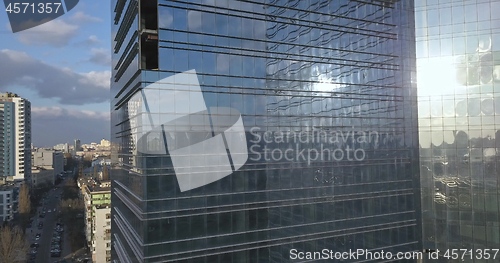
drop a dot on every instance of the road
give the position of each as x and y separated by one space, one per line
50 203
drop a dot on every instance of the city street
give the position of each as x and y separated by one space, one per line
49 207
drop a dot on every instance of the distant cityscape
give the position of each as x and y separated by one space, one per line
79 172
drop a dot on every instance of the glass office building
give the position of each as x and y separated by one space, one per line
458 68
327 98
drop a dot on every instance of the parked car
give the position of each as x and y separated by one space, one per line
55 247
59 229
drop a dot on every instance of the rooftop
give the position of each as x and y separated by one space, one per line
94 185
8 187
8 95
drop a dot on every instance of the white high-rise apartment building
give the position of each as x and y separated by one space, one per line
15 137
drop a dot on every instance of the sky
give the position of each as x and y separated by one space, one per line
63 68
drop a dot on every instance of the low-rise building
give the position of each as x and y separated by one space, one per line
6 211
41 176
48 159
91 172
97 199
101 233
8 201
98 172
63 147
101 161
105 143
47 165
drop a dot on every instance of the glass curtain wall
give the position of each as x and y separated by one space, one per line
328 101
458 68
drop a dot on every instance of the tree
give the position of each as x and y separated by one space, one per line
13 245
70 190
70 162
70 211
37 193
80 169
24 205
71 205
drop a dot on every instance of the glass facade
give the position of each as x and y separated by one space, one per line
458 68
327 94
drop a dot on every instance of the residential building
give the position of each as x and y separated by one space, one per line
9 200
105 143
97 199
42 177
7 140
48 159
63 147
102 160
458 76
101 244
15 136
97 171
298 76
6 203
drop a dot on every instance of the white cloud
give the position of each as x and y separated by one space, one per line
90 41
51 112
194 19
223 63
165 18
93 39
96 78
55 33
69 87
80 17
53 125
